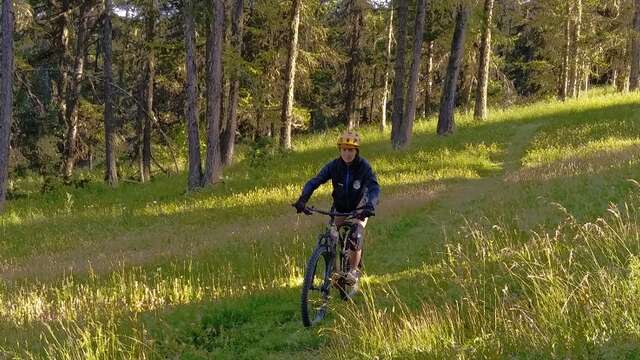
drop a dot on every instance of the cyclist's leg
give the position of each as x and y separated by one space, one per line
357 241
337 222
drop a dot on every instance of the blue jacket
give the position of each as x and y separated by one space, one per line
349 183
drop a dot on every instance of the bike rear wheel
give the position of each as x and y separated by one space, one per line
315 287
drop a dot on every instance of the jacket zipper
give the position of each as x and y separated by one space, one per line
346 183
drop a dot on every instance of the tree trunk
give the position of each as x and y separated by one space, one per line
258 105
406 127
586 73
623 80
351 82
229 135
374 83
73 95
480 111
149 79
575 53
290 74
6 95
213 166
123 57
428 79
446 123
398 81
140 118
96 69
62 42
468 90
580 78
624 76
634 79
194 179
385 93
564 80
111 174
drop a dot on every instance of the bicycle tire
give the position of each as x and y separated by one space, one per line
311 313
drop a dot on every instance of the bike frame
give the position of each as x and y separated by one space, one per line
331 242
336 263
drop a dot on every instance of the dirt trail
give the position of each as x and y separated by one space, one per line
469 191
154 246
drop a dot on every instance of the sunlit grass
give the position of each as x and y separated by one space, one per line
216 273
570 292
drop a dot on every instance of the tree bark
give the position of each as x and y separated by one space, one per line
62 43
213 165
123 57
385 93
372 89
398 81
111 173
351 83
73 95
428 79
446 121
229 135
575 51
624 73
634 79
406 127
290 74
480 111
194 179
6 94
564 81
148 88
140 118
586 74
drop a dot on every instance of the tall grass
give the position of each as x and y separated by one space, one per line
466 258
571 292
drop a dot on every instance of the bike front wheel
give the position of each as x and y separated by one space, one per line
315 287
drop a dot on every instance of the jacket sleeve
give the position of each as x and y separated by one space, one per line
323 176
373 188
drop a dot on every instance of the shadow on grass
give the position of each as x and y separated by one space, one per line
259 326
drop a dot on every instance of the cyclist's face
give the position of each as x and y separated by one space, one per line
347 154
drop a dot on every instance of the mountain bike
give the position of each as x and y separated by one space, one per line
327 267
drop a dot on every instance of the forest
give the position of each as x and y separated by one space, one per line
137 88
151 150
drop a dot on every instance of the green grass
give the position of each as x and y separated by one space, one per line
515 237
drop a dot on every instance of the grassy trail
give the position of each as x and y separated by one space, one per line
216 274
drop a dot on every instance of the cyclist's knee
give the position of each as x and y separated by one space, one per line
356 240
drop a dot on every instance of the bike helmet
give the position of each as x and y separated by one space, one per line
349 139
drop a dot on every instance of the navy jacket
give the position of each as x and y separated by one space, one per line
349 183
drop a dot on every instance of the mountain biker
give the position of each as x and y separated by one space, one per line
355 187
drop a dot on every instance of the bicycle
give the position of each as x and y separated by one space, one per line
327 267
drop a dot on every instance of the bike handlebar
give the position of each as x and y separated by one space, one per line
312 209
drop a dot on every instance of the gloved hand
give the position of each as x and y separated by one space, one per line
301 207
367 211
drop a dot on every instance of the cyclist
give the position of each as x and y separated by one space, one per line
355 187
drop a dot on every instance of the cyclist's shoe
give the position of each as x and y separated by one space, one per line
335 279
352 277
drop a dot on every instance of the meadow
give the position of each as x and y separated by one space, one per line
517 237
